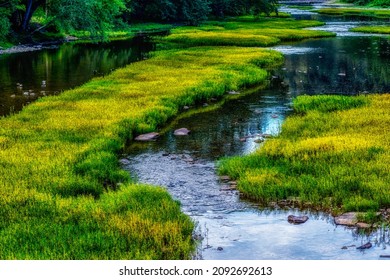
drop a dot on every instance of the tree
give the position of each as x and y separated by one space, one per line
6 9
221 8
95 16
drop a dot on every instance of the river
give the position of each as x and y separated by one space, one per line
233 228
230 227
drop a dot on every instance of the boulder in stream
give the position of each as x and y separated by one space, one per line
148 136
297 219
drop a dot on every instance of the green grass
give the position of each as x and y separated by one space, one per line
359 12
372 29
333 155
62 192
257 32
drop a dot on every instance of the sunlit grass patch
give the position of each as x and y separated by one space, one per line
334 155
361 12
261 32
385 29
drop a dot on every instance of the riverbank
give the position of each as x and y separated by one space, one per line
45 41
332 155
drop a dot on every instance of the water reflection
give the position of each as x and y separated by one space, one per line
342 65
28 76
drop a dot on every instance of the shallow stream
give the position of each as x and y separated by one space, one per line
233 228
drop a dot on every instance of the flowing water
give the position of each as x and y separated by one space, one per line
231 227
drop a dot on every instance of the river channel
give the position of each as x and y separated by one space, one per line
231 228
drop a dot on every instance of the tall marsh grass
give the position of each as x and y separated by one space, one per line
334 155
249 32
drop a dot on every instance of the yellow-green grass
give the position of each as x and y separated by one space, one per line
360 12
372 29
62 192
132 30
261 33
333 154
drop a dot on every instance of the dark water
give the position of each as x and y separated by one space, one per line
50 71
237 229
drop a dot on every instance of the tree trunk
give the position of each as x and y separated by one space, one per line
31 7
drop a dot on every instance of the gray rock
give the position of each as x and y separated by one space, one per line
182 132
148 136
297 219
347 219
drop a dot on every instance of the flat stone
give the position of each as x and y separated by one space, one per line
347 219
233 92
148 136
181 132
297 219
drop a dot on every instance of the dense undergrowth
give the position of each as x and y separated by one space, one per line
334 155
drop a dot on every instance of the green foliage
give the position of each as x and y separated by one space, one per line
4 24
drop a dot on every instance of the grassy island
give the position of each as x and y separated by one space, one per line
332 155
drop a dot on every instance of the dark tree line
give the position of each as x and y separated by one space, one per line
98 16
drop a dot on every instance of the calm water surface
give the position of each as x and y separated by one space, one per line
50 71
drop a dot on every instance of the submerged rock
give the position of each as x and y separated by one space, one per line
182 132
148 136
365 246
297 219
